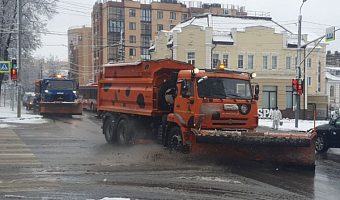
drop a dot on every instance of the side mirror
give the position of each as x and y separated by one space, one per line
257 91
77 86
185 89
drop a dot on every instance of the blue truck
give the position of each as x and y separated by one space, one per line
58 96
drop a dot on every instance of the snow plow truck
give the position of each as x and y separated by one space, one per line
57 96
192 110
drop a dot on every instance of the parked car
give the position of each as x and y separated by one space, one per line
30 102
328 135
24 98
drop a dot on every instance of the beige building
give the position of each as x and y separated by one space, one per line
122 30
251 44
80 54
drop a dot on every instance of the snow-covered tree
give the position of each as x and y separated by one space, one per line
35 14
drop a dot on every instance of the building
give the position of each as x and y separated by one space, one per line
251 44
80 54
123 29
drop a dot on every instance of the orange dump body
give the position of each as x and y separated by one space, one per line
133 87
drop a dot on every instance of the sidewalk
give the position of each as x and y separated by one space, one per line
8 118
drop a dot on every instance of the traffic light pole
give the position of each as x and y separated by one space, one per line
19 57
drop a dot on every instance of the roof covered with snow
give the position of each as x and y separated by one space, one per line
332 77
223 25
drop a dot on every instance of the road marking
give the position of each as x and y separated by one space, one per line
13 151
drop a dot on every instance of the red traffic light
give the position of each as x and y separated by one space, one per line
14 74
295 81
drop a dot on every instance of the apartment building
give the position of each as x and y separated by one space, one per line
123 29
251 44
80 54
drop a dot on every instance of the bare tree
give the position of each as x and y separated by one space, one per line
35 14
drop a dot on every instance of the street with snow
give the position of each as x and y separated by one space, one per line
68 158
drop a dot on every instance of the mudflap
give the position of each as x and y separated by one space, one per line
296 151
64 108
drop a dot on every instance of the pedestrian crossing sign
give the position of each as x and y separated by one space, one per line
5 66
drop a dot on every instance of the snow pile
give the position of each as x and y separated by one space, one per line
289 124
9 116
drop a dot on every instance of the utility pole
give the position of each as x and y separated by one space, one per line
19 56
298 69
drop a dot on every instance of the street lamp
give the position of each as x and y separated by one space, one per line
298 67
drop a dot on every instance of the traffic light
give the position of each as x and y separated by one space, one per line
295 85
300 87
14 74
14 63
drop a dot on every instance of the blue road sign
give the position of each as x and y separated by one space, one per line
6 77
5 67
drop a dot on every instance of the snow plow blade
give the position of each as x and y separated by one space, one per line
66 108
291 149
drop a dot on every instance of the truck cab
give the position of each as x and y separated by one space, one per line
56 89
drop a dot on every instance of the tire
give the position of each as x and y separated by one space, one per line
109 130
175 140
321 145
124 133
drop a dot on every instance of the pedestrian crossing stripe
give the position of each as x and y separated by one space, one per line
5 67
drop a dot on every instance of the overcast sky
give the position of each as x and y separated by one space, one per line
317 16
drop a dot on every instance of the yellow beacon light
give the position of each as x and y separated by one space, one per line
222 66
59 76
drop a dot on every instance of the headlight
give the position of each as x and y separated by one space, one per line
74 92
253 75
196 70
46 91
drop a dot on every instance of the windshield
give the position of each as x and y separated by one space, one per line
225 88
59 85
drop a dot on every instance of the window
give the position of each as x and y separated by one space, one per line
116 26
146 28
132 52
265 62
288 62
309 62
173 15
172 26
132 13
309 81
191 58
184 17
132 26
159 14
240 61
269 97
274 62
331 92
216 58
290 101
132 39
250 61
319 77
226 60
145 15
159 27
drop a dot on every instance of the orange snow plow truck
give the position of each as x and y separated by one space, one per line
192 110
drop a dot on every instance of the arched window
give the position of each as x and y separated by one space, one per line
332 91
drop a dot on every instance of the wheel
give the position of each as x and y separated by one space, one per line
109 130
175 141
124 134
321 144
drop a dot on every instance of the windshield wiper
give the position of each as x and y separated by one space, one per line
237 96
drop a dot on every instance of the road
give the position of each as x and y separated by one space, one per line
68 158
